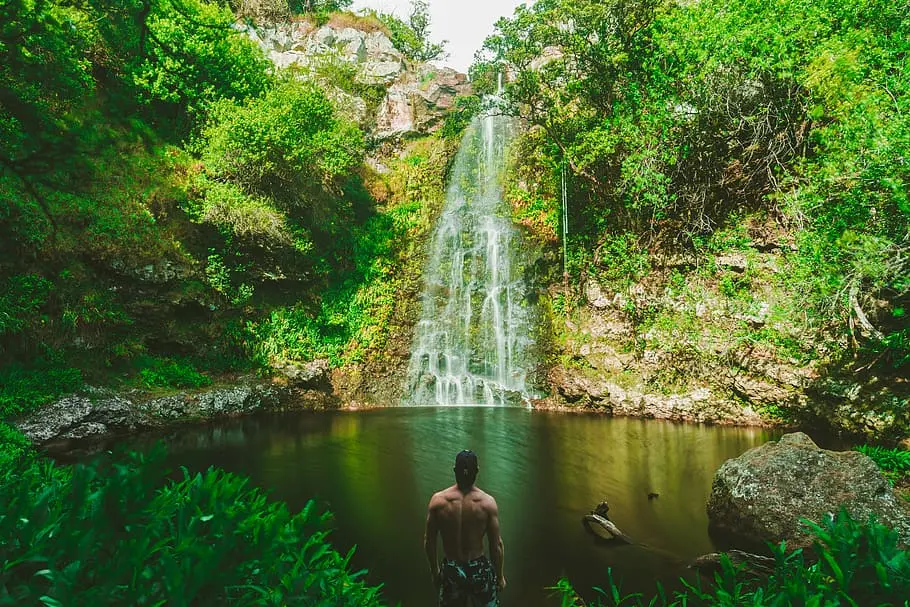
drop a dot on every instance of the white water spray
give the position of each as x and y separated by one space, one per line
473 340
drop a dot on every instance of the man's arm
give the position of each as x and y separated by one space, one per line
497 550
429 542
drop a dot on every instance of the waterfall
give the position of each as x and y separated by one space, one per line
473 341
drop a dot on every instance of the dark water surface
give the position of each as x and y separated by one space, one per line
377 469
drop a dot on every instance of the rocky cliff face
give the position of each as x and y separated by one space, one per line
415 96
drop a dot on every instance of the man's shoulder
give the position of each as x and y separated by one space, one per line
484 497
441 496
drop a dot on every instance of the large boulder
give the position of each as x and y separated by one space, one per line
82 416
312 375
762 495
417 103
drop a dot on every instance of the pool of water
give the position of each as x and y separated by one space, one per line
376 470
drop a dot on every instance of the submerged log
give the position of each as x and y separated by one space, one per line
756 563
604 528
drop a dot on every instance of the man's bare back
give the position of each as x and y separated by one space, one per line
463 514
462 520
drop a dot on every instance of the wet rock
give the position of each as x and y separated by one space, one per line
762 392
595 295
762 495
78 416
218 402
159 273
313 375
598 392
97 413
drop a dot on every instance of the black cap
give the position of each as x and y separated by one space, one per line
466 460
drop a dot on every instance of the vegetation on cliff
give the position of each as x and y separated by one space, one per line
771 135
173 206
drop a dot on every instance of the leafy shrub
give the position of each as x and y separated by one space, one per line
318 6
170 373
278 181
677 119
412 37
25 388
118 533
21 299
895 464
194 57
853 564
13 445
621 258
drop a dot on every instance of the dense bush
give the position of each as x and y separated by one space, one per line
894 463
355 316
851 563
25 388
118 533
412 37
13 447
675 119
169 373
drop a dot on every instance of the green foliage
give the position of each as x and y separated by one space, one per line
21 299
677 119
353 319
118 532
412 37
25 388
318 6
458 119
169 373
621 259
895 464
193 57
857 564
277 181
13 447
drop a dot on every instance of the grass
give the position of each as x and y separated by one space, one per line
24 389
894 463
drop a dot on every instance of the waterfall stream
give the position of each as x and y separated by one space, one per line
473 342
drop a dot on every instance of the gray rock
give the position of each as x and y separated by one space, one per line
380 72
74 416
380 48
212 403
86 430
313 375
599 392
732 261
762 495
325 35
595 295
351 44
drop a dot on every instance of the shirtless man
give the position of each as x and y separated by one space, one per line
463 514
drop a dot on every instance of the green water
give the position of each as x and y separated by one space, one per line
376 470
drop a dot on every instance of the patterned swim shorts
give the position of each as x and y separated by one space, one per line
463 581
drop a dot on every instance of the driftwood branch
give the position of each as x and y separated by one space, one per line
861 316
756 563
604 528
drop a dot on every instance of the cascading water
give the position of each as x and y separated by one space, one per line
473 342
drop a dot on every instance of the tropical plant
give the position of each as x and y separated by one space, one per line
119 532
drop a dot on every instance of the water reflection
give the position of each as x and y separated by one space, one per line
376 470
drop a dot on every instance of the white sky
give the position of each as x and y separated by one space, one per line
464 23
